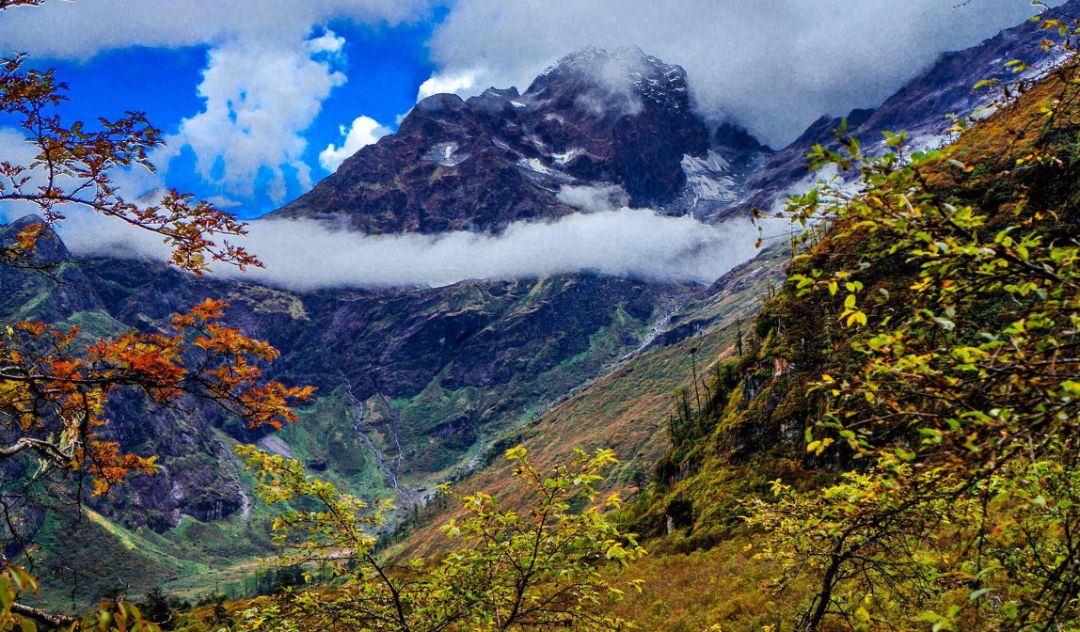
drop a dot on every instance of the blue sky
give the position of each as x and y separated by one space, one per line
251 92
384 68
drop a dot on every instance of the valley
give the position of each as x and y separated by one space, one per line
418 385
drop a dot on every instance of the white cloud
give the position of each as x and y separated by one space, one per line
593 198
222 202
328 42
456 81
776 65
15 149
307 255
264 83
364 131
79 30
259 99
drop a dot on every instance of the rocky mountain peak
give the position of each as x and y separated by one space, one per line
612 83
48 250
735 138
28 292
26 221
593 118
624 72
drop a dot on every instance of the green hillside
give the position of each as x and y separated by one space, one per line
1004 201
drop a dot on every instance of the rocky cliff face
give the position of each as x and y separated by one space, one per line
55 288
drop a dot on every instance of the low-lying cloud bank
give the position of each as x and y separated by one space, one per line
606 238
308 255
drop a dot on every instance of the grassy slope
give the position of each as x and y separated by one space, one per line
624 410
689 592
754 434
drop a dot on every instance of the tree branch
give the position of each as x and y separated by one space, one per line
44 616
44 448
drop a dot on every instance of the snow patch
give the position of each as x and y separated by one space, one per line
562 158
711 163
709 179
534 165
445 154
536 141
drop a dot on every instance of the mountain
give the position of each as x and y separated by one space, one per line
924 107
419 385
751 433
596 118
36 295
413 385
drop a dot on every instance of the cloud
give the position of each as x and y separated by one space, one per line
328 42
79 30
15 149
307 255
775 65
222 202
606 238
18 150
456 81
265 80
259 100
364 131
593 198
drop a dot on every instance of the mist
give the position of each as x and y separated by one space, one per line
304 255
606 237
773 65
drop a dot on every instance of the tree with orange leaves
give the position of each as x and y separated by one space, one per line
54 387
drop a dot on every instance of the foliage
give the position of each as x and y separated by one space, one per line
161 608
73 169
53 391
951 388
54 385
529 570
